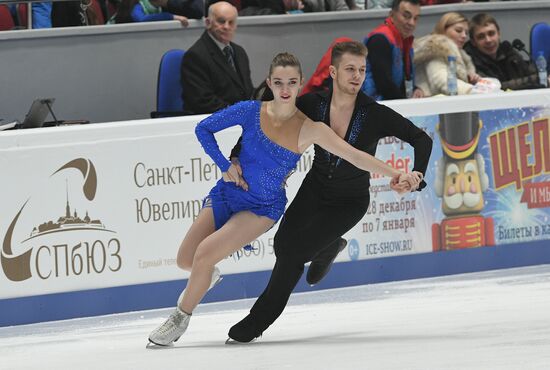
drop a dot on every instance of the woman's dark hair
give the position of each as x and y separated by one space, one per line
285 60
263 92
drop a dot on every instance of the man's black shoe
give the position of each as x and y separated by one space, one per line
245 330
321 264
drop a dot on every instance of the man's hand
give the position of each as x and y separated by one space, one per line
417 178
417 93
406 182
183 20
235 174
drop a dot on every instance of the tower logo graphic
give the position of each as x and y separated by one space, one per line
61 258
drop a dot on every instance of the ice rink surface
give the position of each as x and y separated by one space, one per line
489 320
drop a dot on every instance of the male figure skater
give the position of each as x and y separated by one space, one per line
334 195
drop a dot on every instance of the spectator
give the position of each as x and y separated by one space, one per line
192 9
431 53
152 10
129 11
389 61
270 7
311 6
215 71
236 3
42 15
493 58
74 13
321 80
123 12
379 4
355 4
440 2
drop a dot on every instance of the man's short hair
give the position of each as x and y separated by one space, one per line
395 4
351 47
481 20
210 9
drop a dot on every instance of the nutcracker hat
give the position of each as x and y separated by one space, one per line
459 133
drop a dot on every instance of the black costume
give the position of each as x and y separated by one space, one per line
209 82
333 198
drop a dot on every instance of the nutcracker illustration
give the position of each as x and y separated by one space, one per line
460 181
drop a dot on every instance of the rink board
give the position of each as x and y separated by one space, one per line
95 302
92 216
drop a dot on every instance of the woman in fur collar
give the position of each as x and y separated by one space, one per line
431 52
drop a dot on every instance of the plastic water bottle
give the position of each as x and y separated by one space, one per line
452 86
541 67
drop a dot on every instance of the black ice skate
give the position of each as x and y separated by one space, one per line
321 263
245 331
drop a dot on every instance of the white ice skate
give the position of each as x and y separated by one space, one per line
216 278
171 330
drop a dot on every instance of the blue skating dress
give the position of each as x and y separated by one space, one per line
264 163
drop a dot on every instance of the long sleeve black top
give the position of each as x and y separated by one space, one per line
369 123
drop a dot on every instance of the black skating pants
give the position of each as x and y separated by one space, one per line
311 223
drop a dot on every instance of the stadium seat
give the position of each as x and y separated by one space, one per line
169 90
22 15
6 20
540 41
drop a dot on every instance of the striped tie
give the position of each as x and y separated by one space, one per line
229 56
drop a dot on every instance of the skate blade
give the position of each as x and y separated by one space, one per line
153 345
234 342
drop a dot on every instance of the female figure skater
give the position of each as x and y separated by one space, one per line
244 205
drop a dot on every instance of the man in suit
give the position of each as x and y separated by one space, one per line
215 72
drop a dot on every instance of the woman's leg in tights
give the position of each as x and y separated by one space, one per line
241 229
201 228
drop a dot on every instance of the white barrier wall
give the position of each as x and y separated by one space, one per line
140 183
106 205
109 73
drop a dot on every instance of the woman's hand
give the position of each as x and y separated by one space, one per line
399 184
405 182
235 174
473 78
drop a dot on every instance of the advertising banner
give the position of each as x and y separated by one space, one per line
81 214
103 207
488 184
